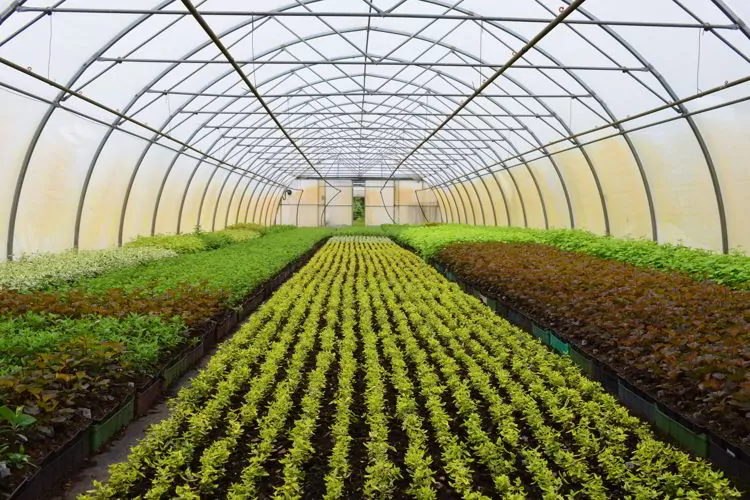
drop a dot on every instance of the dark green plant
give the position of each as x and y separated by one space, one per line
235 270
147 338
17 419
78 374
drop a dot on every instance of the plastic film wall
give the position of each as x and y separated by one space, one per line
129 118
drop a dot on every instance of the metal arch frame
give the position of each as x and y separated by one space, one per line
533 135
195 168
169 119
266 149
459 193
693 126
97 121
529 45
393 118
127 108
691 123
215 81
531 96
603 24
256 186
463 82
140 94
64 92
626 137
643 114
489 140
42 125
377 139
240 72
307 40
45 119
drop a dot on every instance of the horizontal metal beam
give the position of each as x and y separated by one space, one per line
381 14
355 178
309 148
354 138
356 128
347 62
273 160
359 93
384 113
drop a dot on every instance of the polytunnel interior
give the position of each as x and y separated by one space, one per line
121 119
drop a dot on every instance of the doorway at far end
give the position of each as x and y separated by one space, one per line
358 211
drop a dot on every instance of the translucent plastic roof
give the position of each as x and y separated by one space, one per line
449 92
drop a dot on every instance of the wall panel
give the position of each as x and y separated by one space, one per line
727 133
531 198
584 196
169 206
623 187
683 195
18 120
517 217
219 217
107 189
193 199
51 191
558 215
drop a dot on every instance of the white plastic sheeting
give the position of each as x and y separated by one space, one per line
161 134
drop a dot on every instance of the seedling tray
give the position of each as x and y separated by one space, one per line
103 431
146 397
55 469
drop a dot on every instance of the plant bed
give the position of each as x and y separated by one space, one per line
150 388
101 432
638 405
147 396
56 468
436 397
683 342
731 269
733 461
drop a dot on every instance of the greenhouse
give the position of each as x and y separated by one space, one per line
351 249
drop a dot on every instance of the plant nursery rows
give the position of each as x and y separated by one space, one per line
670 335
672 321
80 331
370 375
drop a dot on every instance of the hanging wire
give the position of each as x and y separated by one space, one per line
481 58
698 66
49 48
252 48
570 114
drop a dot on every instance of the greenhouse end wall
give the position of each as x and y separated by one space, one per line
329 203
